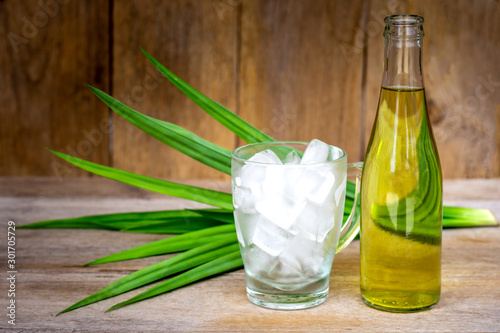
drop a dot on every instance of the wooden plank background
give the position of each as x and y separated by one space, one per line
296 69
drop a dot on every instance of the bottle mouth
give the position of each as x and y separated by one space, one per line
404 27
408 20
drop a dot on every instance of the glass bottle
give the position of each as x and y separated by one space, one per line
401 195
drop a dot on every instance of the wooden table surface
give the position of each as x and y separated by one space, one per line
50 276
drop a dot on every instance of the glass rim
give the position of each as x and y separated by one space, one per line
404 20
234 153
404 27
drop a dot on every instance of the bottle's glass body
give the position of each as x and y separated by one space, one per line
401 196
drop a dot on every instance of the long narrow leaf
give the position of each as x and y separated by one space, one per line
172 227
210 197
227 118
216 214
221 265
126 221
467 217
172 135
179 263
173 244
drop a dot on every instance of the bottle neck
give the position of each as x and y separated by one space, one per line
403 53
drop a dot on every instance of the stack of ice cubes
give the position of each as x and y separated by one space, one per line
286 216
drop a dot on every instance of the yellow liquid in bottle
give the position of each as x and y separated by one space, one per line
401 215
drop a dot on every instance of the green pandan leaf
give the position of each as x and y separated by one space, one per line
167 221
220 265
227 118
210 197
216 214
172 135
172 227
179 243
163 269
457 217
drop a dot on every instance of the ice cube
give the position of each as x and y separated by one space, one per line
315 183
239 226
278 178
313 220
244 199
334 153
254 176
238 196
281 207
274 180
326 226
259 262
292 158
303 255
311 265
316 152
251 177
291 174
266 156
307 222
269 237
245 226
286 267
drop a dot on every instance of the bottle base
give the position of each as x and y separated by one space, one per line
400 301
287 301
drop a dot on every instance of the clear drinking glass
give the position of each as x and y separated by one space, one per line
289 217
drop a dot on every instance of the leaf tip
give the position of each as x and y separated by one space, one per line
64 311
145 52
96 91
61 155
92 263
114 307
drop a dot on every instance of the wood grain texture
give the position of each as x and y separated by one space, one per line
50 276
462 82
197 41
296 83
50 50
298 70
